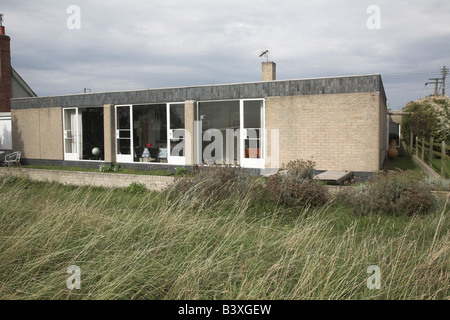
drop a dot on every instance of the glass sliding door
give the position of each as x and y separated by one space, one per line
71 144
222 117
252 133
176 133
124 138
83 133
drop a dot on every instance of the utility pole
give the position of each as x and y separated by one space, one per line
444 74
436 82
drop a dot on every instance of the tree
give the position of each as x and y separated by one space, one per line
427 117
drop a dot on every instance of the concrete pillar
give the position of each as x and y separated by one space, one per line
269 71
109 127
189 118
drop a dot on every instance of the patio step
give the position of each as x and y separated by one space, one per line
334 176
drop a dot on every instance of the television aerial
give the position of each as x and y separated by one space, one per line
265 53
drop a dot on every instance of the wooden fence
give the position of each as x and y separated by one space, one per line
433 150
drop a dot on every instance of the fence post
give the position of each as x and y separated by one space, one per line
417 146
443 158
430 154
423 149
411 140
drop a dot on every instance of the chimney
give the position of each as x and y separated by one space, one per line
5 70
269 71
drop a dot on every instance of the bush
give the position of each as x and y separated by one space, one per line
438 184
392 193
181 171
136 187
215 182
294 185
109 168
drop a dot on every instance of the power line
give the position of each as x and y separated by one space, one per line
439 81
409 73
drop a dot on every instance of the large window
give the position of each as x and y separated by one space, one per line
240 126
150 133
220 115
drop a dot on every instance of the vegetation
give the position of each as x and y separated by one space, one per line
220 237
403 163
427 117
391 194
109 168
294 186
437 165
115 168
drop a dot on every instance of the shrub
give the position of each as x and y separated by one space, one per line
438 184
181 171
301 169
109 168
294 185
104 168
393 193
214 182
136 187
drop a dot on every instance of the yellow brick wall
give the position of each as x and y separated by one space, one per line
337 131
109 132
383 133
38 133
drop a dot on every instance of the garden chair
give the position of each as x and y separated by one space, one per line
13 159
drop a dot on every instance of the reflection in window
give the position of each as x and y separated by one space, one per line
223 116
92 139
150 133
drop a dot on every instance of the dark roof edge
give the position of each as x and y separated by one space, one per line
204 85
259 89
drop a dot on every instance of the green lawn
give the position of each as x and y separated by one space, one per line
121 170
403 163
437 164
160 246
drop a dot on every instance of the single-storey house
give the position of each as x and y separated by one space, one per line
340 123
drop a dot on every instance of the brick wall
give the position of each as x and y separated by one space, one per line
383 132
337 131
269 71
5 74
38 133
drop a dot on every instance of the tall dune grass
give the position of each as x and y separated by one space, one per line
160 246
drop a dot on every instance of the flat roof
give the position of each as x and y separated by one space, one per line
259 89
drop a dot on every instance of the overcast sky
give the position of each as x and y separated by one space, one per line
124 45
